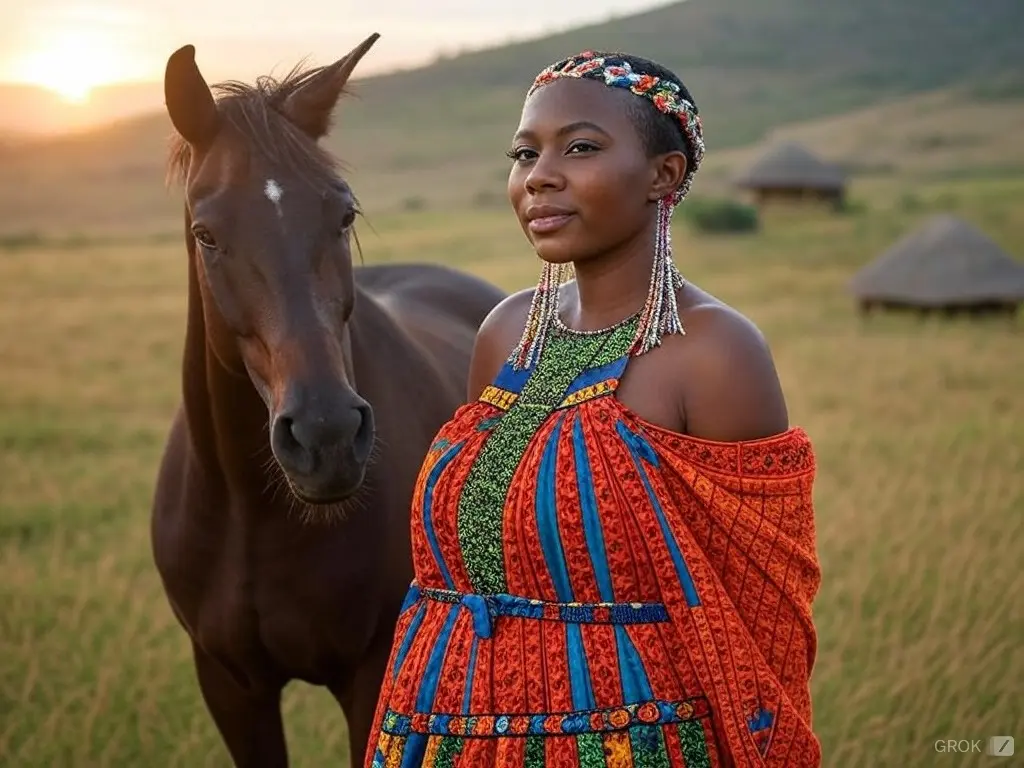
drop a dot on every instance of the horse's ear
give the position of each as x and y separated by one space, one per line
310 106
189 101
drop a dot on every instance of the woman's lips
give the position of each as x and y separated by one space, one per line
547 224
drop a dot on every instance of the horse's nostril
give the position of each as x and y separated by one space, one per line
362 443
288 427
302 433
285 440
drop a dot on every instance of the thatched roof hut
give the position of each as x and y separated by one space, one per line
791 171
946 265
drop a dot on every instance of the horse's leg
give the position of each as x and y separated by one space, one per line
358 701
249 723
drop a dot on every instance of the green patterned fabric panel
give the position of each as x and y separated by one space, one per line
482 502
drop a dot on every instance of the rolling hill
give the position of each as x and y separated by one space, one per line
436 135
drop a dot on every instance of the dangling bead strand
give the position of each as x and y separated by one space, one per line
660 315
543 310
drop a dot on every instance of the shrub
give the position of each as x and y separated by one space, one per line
852 206
711 215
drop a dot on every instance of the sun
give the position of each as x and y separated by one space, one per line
73 63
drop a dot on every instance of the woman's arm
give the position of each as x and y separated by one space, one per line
730 389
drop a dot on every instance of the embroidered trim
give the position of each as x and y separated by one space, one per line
503 399
787 455
499 398
655 712
589 393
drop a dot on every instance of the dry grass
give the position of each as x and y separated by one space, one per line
920 494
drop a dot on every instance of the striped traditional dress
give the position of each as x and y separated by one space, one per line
594 590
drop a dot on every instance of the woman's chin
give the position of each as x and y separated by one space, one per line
555 251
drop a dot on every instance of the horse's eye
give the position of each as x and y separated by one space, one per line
348 221
203 237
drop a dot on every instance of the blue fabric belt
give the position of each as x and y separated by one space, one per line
485 608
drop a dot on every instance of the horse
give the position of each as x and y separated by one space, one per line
311 391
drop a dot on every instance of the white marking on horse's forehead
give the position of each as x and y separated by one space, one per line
273 191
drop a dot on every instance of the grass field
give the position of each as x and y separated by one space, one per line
920 494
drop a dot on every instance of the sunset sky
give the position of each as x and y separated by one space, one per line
71 46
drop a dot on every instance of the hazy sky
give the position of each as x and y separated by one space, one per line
103 40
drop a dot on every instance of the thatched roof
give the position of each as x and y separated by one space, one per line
789 166
944 263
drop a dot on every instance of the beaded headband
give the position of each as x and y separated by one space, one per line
665 95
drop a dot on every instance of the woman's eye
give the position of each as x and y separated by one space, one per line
523 153
520 154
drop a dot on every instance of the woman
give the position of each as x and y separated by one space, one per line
614 539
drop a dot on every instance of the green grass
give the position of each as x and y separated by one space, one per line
917 427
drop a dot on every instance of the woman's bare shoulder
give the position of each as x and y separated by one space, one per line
731 389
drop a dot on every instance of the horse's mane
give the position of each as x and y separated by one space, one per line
256 112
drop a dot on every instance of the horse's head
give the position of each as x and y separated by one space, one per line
269 230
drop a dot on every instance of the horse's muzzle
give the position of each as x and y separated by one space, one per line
323 451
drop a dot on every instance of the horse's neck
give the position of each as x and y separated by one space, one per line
372 328
369 323
226 418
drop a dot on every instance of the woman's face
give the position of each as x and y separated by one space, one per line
582 183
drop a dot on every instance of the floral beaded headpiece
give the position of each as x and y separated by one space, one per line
660 314
666 95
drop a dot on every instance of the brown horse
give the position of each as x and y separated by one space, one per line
311 392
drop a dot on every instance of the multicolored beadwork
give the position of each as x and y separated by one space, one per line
595 721
660 314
